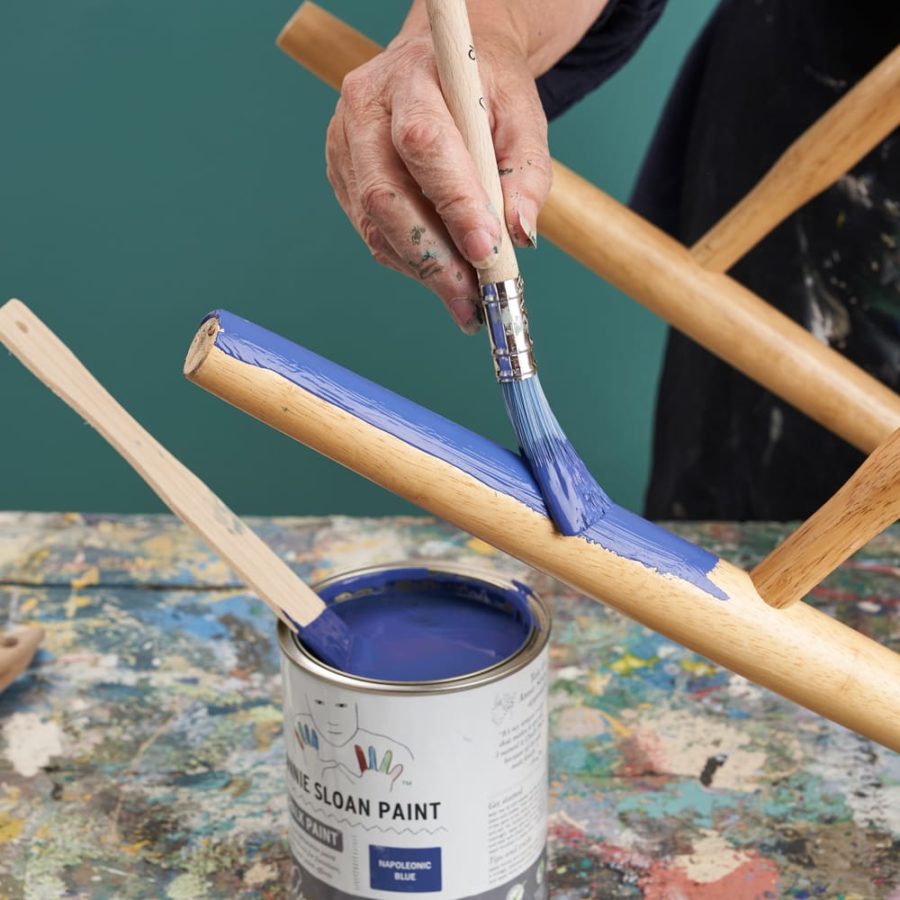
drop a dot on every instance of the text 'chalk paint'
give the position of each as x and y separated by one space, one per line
411 625
619 531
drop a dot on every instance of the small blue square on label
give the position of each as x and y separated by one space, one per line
405 868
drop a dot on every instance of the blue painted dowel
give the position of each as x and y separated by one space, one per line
639 568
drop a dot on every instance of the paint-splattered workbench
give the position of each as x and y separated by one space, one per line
142 754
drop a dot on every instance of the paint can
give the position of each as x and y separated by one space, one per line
422 787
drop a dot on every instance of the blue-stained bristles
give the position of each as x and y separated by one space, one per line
574 499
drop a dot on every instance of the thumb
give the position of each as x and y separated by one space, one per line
523 157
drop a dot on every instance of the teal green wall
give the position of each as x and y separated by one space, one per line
160 159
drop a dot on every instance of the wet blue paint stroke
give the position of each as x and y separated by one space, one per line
619 531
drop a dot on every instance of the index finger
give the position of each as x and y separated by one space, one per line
432 149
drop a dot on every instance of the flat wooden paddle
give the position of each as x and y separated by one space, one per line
51 361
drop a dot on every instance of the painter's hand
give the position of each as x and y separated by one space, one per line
371 768
402 174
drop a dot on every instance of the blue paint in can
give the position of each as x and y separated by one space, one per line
415 624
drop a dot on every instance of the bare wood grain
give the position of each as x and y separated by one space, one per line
832 145
861 509
457 65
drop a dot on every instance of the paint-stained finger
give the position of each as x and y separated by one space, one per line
523 157
390 199
382 251
431 148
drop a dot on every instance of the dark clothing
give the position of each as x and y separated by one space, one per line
761 72
609 43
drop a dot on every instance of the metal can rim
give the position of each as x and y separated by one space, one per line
535 643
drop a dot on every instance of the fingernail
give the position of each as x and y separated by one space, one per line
526 222
479 247
465 315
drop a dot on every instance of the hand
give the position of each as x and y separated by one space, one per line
403 176
370 765
306 736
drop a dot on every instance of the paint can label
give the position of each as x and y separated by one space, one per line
440 795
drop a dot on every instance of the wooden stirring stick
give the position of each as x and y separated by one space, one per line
863 507
16 650
863 117
51 361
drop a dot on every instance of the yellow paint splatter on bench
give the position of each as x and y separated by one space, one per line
74 603
90 576
10 827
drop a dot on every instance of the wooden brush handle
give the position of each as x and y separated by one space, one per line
457 68
51 361
861 509
657 271
17 648
863 117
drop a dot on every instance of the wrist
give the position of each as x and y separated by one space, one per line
495 24
539 31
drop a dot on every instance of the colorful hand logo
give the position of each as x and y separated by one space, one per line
369 763
306 736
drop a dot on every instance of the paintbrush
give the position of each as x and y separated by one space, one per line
573 498
297 605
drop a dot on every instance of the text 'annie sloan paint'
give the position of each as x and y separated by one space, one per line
426 776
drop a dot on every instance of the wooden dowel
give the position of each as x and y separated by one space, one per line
861 509
51 361
17 649
720 314
328 47
660 273
798 652
863 117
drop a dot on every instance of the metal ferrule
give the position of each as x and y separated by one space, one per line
503 303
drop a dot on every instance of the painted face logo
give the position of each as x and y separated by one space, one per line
336 721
